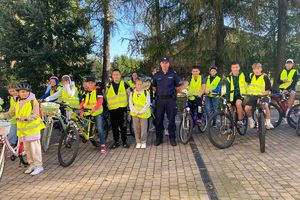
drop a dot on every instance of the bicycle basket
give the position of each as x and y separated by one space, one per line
50 109
4 127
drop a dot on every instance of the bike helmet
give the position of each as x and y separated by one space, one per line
23 86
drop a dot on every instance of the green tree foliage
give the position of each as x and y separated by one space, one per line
126 64
44 37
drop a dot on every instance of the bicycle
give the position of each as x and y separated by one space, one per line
191 118
16 152
293 116
51 113
223 127
76 128
298 127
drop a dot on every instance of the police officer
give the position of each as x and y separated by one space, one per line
165 82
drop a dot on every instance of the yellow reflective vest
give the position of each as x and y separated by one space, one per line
210 86
72 101
194 87
90 101
139 103
26 128
257 86
57 88
117 101
12 104
287 76
131 84
242 84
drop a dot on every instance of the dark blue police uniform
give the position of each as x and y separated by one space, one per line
165 85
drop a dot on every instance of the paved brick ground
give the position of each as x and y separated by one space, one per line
165 172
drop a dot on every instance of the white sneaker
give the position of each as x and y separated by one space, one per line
143 146
37 170
30 169
269 126
251 123
138 146
166 132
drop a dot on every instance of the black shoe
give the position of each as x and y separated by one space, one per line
125 145
158 142
115 145
95 143
173 142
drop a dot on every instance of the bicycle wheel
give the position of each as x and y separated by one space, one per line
298 127
2 159
46 135
222 133
202 124
243 129
261 122
293 115
186 128
68 146
275 112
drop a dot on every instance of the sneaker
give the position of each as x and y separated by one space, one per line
95 143
115 145
143 146
37 170
103 149
30 169
166 132
138 146
173 142
269 126
251 123
125 145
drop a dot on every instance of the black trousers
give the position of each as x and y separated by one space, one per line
165 106
118 118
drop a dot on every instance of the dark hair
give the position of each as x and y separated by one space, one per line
153 68
196 67
116 70
234 63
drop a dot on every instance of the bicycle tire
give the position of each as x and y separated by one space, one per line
46 136
275 122
204 117
298 127
131 129
185 136
295 110
262 132
223 129
70 134
2 160
245 127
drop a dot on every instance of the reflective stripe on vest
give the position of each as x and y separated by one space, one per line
12 104
210 86
117 101
72 101
195 87
257 86
285 76
139 103
242 84
90 102
25 128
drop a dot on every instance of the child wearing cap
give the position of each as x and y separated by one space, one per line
139 103
93 100
29 126
213 87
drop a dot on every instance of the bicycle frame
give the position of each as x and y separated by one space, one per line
16 151
87 134
195 113
283 105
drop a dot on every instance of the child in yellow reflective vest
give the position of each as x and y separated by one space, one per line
29 126
139 103
13 97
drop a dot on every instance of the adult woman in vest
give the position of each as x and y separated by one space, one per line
68 94
288 79
117 101
13 98
29 125
212 86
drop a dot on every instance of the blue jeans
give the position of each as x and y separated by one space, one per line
211 105
12 135
101 132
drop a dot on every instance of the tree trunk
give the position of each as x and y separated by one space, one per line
220 35
157 26
106 40
281 38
